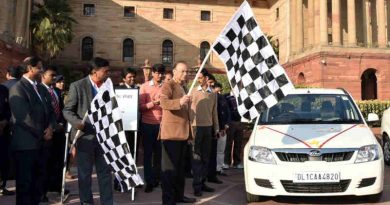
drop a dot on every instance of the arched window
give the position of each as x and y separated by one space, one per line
204 49
369 84
128 50
87 49
301 79
167 52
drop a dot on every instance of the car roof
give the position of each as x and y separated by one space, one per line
318 91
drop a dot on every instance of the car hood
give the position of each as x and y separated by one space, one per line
313 136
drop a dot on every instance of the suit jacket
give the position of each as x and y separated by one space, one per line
31 115
10 83
78 102
5 113
175 123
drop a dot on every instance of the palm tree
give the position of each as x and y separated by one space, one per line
51 26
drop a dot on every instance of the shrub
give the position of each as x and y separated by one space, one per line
373 106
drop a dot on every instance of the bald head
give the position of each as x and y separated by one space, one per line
180 71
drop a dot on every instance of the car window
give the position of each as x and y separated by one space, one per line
312 108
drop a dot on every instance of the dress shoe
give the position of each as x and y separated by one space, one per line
44 199
206 188
221 173
156 184
198 193
214 180
148 188
186 200
6 192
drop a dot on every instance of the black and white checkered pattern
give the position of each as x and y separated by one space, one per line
106 118
257 78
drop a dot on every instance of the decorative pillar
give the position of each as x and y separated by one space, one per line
336 29
351 23
380 7
323 22
299 24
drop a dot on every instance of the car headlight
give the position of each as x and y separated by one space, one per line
261 154
367 154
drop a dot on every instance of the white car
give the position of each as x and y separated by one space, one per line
385 130
314 142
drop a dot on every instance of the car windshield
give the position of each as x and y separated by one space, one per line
312 109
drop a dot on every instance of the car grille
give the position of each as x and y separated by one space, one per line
292 187
303 157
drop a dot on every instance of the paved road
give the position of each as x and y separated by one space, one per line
231 192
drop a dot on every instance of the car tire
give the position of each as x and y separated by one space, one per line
374 197
252 198
386 149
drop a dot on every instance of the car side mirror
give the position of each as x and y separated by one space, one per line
372 117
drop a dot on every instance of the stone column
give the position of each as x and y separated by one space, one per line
351 23
323 22
299 25
316 22
293 28
380 8
336 29
367 23
310 28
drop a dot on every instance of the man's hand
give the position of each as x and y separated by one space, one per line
80 126
48 134
184 100
73 152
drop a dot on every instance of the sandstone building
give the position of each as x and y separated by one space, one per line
322 43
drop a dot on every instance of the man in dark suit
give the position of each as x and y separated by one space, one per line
33 125
128 77
5 115
89 151
55 151
14 73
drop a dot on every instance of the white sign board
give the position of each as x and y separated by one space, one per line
128 104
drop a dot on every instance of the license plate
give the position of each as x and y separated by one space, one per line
310 177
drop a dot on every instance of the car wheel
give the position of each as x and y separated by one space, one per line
373 198
386 149
252 198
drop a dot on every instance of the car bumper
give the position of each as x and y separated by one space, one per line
277 180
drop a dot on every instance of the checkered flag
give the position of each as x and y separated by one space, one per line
257 79
105 116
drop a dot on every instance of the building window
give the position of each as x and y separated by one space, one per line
129 11
277 13
204 49
168 13
167 52
87 49
89 10
128 50
205 15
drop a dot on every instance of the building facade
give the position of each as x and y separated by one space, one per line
322 43
14 32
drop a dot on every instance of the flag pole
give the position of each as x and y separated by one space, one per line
255 126
200 69
78 132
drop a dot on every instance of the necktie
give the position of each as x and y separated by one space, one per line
36 90
55 103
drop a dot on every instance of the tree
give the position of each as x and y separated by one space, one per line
274 44
52 28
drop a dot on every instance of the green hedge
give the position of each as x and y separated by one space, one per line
373 106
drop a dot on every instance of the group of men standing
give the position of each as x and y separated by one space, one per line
174 124
32 129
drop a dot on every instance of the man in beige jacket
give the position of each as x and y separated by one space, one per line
174 134
204 122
